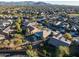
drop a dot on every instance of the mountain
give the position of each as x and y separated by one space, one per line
24 3
42 3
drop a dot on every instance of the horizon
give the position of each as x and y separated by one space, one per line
72 3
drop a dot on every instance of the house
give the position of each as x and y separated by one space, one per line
34 29
31 30
41 20
57 23
35 37
57 40
3 24
10 21
46 33
37 33
24 24
2 37
38 36
6 23
32 24
7 30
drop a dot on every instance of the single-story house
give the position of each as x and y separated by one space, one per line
57 40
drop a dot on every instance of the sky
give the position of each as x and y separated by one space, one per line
59 2
75 3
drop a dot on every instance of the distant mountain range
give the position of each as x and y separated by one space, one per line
24 3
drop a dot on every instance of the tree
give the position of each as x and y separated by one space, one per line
28 32
18 27
19 39
19 36
6 42
62 51
19 20
46 22
68 36
18 24
45 52
30 52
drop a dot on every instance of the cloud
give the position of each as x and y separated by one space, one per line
65 2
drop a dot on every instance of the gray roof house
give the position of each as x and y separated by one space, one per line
58 40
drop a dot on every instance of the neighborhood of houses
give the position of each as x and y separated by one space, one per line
37 27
